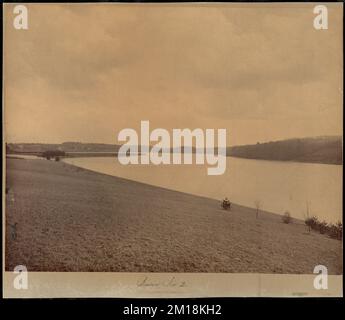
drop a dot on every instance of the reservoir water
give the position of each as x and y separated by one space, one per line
277 186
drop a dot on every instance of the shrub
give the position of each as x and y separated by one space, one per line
52 153
311 222
322 226
286 217
335 231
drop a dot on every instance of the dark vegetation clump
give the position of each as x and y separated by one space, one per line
53 154
286 217
334 230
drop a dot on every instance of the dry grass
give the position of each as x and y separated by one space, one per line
70 219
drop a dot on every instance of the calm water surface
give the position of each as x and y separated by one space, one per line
278 186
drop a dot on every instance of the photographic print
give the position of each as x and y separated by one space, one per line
172 149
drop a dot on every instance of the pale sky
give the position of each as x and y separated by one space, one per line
83 72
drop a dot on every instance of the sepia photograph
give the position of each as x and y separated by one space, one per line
184 149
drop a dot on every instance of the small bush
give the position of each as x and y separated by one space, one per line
286 217
335 231
57 158
53 153
322 227
226 204
311 222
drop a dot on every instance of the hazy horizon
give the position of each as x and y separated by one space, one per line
261 142
83 73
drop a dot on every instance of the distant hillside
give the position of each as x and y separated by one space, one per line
319 150
326 150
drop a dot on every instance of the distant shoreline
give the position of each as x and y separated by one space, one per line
322 150
292 161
